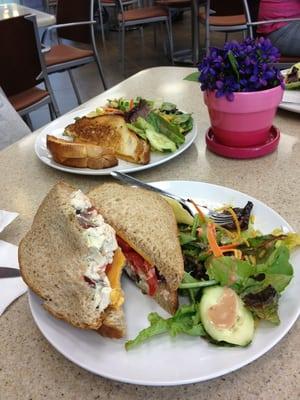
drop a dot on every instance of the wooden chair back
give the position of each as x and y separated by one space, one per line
20 66
69 11
225 8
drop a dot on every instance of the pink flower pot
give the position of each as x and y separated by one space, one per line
245 121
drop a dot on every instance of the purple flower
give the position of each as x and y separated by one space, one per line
240 67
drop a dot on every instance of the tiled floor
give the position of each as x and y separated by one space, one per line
138 57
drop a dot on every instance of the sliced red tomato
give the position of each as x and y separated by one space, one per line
140 265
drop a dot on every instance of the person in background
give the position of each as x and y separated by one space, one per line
284 35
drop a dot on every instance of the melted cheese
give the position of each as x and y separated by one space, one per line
113 273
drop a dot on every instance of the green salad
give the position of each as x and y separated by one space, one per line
292 77
163 126
234 277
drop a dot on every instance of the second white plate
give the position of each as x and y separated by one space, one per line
57 127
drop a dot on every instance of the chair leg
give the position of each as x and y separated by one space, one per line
77 94
207 41
52 112
163 34
142 36
207 30
28 122
48 87
170 38
154 35
100 70
101 22
122 33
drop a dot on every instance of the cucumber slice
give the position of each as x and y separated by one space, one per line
237 327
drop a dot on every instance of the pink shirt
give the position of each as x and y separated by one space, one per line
272 9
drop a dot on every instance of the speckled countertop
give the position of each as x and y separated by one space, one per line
30 368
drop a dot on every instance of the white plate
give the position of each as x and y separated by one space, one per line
291 99
165 360
57 127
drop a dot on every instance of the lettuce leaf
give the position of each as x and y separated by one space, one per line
186 320
229 271
258 285
264 304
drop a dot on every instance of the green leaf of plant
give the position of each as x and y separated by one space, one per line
233 63
194 77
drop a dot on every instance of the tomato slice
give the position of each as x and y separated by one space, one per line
141 266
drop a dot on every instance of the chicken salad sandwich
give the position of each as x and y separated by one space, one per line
71 259
148 236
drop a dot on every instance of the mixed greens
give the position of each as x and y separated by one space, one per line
163 126
236 259
292 77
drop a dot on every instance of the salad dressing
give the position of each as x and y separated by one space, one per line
223 314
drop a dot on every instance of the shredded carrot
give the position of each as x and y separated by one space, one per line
236 221
131 104
201 215
212 240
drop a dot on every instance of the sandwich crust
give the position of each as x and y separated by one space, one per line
53 260
147 223
80 155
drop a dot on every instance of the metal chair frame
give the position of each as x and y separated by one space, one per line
252 24
103 4
123 24
50 98
216 28
69 65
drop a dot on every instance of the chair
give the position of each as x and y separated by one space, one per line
12 126
75 20
228 16
251 13
142 16
49 5
181 5
103 4
22 67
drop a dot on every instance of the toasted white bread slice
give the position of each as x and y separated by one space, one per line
80 155
54 258
146 222
111 132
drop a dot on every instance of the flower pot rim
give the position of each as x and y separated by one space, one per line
247 93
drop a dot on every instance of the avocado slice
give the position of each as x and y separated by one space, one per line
181 215
224 316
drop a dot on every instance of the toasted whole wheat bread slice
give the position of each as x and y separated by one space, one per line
80 155
147 223
53 260
111 133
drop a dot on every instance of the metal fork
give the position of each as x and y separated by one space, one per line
219 218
